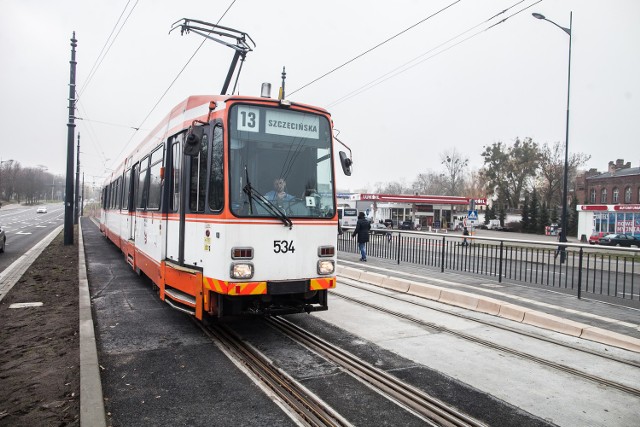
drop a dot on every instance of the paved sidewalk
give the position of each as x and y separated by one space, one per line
537 305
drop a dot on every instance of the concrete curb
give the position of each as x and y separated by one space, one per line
91 400
493 307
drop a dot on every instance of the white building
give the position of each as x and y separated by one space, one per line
624 219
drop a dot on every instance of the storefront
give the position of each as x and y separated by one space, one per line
423 211
623 219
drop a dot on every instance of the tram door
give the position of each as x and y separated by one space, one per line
175 170
188 194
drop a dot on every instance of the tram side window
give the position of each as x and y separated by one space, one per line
106 197
126 191
114 192
176 173
118 194
142 187
134 187
216 180
155 180
198 177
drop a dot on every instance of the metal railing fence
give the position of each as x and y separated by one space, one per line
598 270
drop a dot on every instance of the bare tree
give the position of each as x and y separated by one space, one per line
429 183
552 171
474 185
9 173
454 175
395 187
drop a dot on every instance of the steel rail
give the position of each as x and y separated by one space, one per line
544 362
310 410
494 325
438 412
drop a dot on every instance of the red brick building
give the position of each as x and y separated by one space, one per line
619 185
611 200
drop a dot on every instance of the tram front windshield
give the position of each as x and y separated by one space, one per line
280 160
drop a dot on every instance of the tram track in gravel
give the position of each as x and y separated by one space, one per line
306 408
432 410
523 355
309 409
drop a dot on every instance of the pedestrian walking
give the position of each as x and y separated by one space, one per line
362 233
465 232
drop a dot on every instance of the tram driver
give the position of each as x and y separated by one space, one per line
279 194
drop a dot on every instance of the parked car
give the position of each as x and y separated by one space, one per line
377 228
626 240
494 224
594 239
41 209
388 222
406 225
3 240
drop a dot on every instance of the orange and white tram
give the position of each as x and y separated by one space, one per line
190 207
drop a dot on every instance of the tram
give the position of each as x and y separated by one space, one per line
194 208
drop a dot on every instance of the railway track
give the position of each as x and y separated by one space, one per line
307 408
432 410
523 355
300 403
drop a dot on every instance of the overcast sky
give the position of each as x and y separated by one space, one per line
467 89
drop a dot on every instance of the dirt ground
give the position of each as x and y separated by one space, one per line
39 346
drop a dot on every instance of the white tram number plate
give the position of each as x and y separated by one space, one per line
283 246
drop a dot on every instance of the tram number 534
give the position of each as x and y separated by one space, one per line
283 246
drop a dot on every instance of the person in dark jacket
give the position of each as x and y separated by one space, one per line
362 231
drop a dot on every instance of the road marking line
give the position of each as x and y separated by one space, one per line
26 304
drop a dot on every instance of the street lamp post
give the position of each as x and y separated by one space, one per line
563 220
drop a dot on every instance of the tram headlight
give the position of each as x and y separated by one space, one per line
241 270
326 266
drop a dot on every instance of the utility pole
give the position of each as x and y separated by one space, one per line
68 197
77 199
82 198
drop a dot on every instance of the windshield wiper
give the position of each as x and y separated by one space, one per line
273 209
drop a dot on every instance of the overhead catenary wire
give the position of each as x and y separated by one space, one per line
101 57
109 42
107 123
417 60
92 133
376 46
170 85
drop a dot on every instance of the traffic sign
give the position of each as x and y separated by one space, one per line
472 215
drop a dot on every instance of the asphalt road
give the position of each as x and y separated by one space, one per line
24 228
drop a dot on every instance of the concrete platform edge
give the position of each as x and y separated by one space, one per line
91 399
498 308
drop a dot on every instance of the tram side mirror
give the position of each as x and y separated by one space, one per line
346 163
192 143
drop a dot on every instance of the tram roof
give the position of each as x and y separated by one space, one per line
192 108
